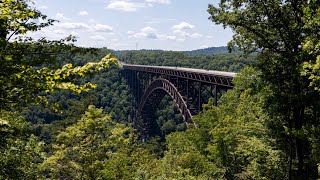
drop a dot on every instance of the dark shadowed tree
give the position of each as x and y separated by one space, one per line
278 29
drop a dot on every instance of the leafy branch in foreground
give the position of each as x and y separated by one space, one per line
48 80
30 67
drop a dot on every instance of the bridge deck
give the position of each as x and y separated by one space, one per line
202 71
207 76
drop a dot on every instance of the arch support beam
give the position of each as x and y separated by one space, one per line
151 99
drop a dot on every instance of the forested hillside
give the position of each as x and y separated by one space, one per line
205 51
212 50
223 62
67 112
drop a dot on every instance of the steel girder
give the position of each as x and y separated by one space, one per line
201 76
170 89
188 89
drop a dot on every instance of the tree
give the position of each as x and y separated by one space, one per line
95 147
231 141
312 43
28 66
21 153
30 70
278 30
237 138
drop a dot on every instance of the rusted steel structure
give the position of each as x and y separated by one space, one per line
189 89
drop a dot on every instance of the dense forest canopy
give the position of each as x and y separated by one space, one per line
283 31
213 61
66 112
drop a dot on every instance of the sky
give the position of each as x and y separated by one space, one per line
134 24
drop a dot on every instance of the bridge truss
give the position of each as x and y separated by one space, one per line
189 89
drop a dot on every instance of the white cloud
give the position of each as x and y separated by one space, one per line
130 32
148 29
83 13
73 26
183 26
95 34
196 35
61 16
171 37
167 37
86 27
150 33
185 34
181 39
98 38
125 6
102 28
181 33
92 21
146 32
129 6
159 1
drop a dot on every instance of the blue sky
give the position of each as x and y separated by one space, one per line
131 24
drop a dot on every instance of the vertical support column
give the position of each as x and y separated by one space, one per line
138 85
187 100
199 97
131 76
177 81
134 83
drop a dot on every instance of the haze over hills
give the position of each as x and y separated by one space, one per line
209 50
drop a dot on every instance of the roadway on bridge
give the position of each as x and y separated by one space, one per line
202 71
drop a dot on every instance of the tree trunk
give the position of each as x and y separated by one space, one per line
305 168
3 30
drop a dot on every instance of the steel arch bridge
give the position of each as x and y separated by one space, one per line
188 88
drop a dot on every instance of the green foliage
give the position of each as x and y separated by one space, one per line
222 62
240 143
168 117
95 147
210 51
285 35
80 147
312 43
267 127
232 141
30 70
20 152
184 159
27 66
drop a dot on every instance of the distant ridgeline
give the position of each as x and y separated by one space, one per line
214 58
205 51
213 50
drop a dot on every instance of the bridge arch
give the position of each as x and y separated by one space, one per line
151 99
